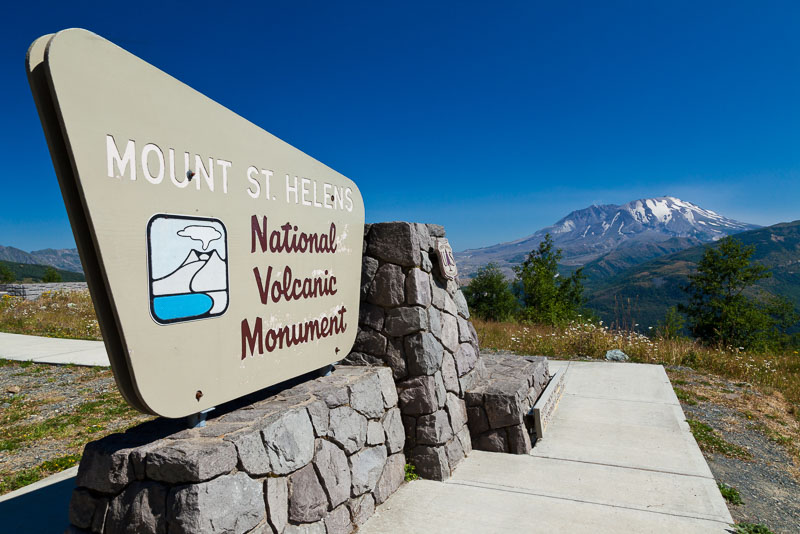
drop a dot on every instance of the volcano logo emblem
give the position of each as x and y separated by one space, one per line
187 261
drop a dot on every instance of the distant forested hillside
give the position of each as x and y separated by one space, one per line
27 272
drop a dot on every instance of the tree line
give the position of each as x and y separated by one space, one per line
723 306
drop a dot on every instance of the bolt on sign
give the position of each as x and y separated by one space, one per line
221 260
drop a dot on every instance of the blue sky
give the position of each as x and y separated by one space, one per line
493 119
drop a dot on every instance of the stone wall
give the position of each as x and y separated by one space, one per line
34 291
315 458
415 321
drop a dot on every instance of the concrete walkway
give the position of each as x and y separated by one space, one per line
618 457
52 350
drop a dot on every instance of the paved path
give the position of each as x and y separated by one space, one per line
52 350
618 457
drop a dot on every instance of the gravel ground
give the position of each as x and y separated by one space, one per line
34 397
769 482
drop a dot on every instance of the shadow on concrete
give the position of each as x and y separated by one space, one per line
44 510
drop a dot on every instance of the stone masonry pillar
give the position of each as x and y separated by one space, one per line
415 321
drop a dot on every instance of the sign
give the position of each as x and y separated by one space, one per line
447 263
221 260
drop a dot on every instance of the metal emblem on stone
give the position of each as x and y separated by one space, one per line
221 260
447 263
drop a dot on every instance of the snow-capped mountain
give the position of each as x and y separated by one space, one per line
199 272
587 234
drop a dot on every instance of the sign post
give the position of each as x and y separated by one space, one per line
221 260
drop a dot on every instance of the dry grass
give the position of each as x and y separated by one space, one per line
55 314
779 372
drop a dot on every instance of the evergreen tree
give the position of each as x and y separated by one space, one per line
546 297
51 275
489 295
720 312
6 275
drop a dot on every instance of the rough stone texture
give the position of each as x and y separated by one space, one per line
361 508
418 288
394 431
394 242
449 332
434 429
366 396
418 395
338 521
370 342
461 304
276 497
369 266
388 287
394 472
366 467
466 357
375 434
457 411
334 472
307 500
289 440
230 503
449 374
394 358
253 458
87 511
287 489
431 462
308 528
499 405
348 428
424 354
371 315
190 461
404 321
141 508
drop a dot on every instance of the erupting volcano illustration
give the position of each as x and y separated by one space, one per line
188 268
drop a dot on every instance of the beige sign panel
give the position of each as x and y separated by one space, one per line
221 259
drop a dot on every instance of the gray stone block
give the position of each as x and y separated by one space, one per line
308 528
289 440
334 472
318 411
464 335
394 358
454 451
466 441
406 320
105 465
423 236
375 433
418 288
435 230
393 475
140 509
410 429
185 461
361 508
449 374
369 266
371 342
457 411
418 395
474 334
250 449
424 354
371 315
461 304
394 431
366 396
338 521
466 358
307 499
441 299
431 462
388 389
276 497
449 332
348 428
435 322
388 287
366 467
502 410
434 429
441 391
87 511
519 441
426 264
395 242
492 441
230 504
477 420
